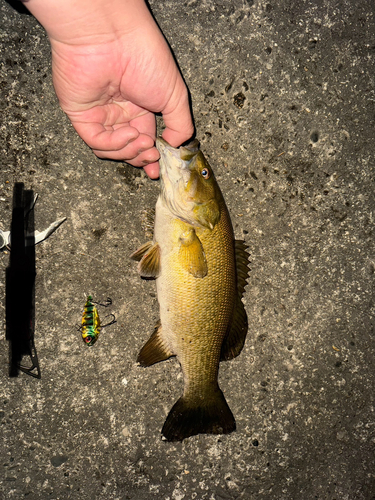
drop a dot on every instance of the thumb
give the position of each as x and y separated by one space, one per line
178 122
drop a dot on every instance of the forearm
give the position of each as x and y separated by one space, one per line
81 21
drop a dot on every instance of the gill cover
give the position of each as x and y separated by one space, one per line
188 185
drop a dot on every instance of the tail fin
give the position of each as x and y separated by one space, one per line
189 417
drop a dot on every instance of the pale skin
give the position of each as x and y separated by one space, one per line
112 71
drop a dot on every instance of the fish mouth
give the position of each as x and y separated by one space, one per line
174 162
185 153
170 162
166 149
192 146
174 176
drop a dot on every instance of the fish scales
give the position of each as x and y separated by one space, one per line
179 291
200 273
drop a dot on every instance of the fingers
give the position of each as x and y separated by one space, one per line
97 137
125 143
135 156
133 151
152 170
132 139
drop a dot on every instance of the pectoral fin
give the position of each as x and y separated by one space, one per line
148 256
155 349
191 254
237 331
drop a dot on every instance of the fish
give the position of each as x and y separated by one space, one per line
201 272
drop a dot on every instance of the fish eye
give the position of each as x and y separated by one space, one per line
205 173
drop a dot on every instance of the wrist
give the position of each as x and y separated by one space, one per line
78 22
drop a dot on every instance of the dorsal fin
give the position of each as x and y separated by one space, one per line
236 335
237 331
242 265
139 253
148 256
148 222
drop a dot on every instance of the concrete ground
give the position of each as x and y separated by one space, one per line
283 98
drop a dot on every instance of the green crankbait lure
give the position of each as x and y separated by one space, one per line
91 325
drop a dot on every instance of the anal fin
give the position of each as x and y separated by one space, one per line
155 349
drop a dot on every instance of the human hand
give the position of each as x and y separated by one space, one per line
112 72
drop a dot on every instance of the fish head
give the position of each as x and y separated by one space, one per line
188 184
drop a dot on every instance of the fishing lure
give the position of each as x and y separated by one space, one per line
91 325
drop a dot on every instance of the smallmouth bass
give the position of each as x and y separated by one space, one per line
201 274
